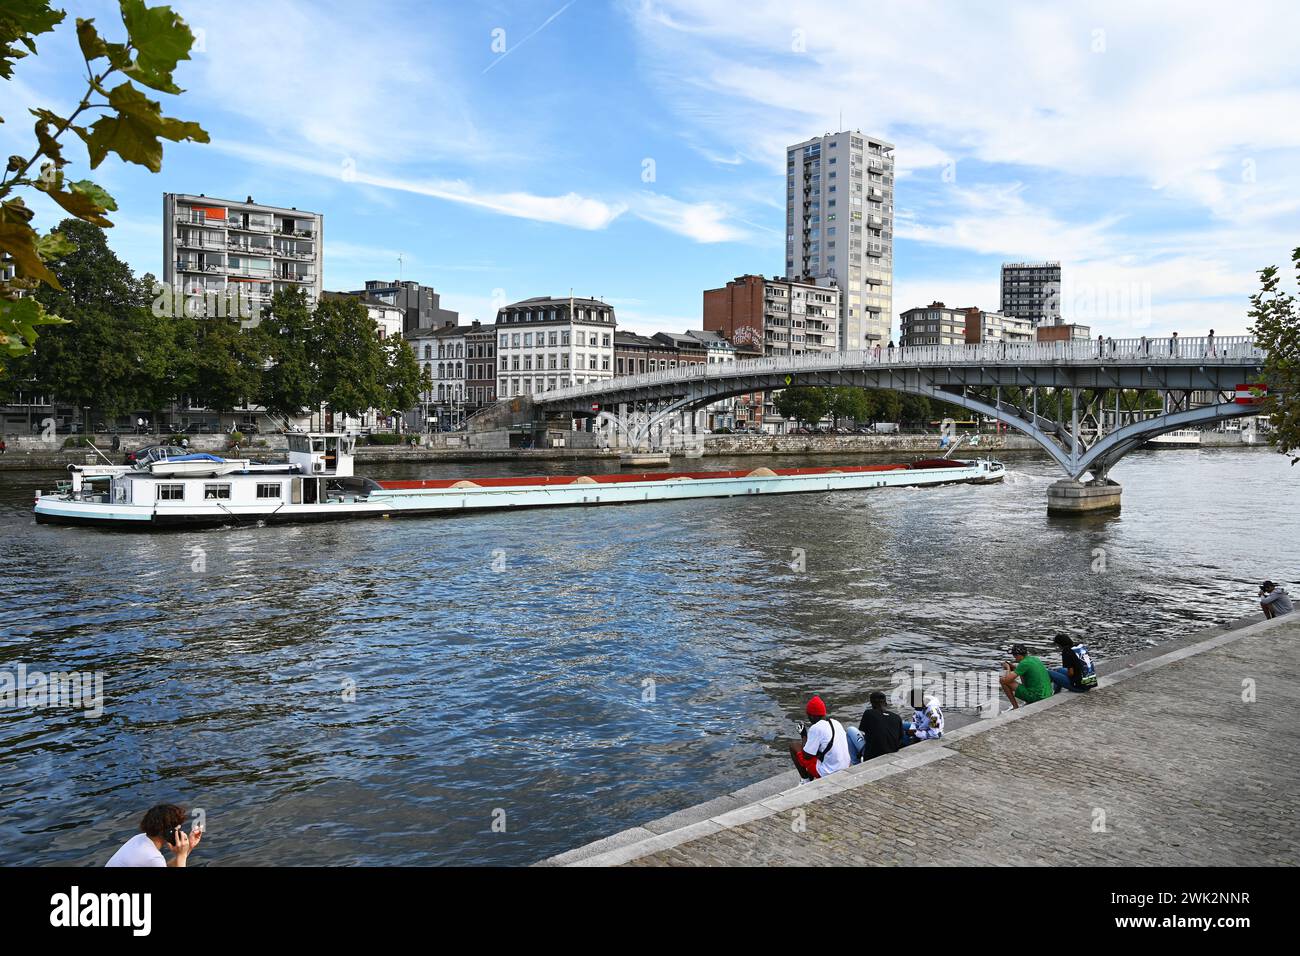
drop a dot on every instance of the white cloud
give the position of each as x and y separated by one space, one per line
570 209
701 221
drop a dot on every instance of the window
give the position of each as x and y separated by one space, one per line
213 492
268 489
564 338
528 339
171 493
504 343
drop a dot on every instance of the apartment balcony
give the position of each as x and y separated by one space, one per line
251 226
875 249
197 219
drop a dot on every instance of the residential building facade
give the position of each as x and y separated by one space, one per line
840 226
546 343
421 306
223 246
934 324
1032 290
481 365
984 326
777 316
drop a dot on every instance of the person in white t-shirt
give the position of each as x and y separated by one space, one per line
825 747
161 826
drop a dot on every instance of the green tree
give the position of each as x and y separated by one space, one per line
130 125
352 360
292 382
406 378
853 403
803 403
887 405
227 363
1277 332
95 361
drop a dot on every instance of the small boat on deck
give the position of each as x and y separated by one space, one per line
318 484
196 466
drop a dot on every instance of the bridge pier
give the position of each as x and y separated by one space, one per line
1071 497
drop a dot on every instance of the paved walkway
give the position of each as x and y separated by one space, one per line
1164 764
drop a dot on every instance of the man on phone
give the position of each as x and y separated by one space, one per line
825 748
160 826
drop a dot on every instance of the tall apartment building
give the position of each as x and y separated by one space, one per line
421 305
223 246
546 343
840 226
1032 290
776 316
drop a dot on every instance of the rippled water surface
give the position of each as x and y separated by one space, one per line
502 663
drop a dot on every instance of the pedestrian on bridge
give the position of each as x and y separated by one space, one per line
891 350
1209 344
1101 346
1173 344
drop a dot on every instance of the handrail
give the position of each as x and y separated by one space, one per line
1190 350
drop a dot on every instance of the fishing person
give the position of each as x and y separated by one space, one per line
824 749
1076 672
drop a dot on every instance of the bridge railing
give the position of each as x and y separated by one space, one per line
1191 350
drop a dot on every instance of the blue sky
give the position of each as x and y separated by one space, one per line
634 150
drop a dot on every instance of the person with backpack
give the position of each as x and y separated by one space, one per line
1076 672
825 747
927 719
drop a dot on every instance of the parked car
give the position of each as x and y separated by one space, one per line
151 453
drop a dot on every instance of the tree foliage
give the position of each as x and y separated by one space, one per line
1277 331
120 354
130 125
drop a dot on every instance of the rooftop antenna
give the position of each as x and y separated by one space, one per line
841 126
399 268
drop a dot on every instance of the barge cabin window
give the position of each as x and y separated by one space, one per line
211 492
268 489
171 493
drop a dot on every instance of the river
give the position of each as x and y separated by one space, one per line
497 688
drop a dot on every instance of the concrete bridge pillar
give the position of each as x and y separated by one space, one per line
1071 497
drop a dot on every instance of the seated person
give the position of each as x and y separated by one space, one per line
1274 600
927 719
1026 680
883 729
825 747
1076 672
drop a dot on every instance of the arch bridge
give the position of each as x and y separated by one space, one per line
1019 384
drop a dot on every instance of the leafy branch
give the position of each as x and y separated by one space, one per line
131 126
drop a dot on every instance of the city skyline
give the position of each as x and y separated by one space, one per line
498 155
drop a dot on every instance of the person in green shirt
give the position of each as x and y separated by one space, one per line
1026 680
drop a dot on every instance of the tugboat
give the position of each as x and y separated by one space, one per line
317 484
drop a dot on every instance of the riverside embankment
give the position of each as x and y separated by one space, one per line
1183 756
31 454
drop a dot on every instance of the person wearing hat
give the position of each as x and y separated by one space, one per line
1026 679
825 747
1274 600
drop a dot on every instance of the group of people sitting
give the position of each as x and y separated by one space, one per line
827 746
